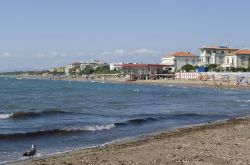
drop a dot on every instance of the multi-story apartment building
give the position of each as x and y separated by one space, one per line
179 59
238 59
216 55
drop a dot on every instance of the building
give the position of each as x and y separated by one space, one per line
178 59
74 66
115 66
93 64
143 71
216 55
60 70
243 58
237 59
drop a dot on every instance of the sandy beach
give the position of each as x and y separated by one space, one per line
179 82
193 83
225 142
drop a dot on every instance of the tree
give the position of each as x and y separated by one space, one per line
196 67
72 71
87 70
187 67
105 70
211 67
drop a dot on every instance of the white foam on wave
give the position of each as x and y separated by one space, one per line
136 90
5 116
99 127
243 105
243 100
22 158
91 128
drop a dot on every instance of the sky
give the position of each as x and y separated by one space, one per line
43 34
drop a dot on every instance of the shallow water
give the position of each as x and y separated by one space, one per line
61 115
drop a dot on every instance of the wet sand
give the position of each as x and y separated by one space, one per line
225 142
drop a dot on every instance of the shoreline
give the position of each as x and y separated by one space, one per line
186 83
170 144
177 82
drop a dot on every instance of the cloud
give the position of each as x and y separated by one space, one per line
122 52
53 54
119 52
6 55
138 55
145 51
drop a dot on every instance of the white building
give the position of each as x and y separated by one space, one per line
75 65
179 59
216 55
115 66
93 64
237 59
243 58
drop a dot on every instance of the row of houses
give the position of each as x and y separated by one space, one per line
77 67
224 57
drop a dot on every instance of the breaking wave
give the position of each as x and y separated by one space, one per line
57 131
5 116
85 129
242 100
24 115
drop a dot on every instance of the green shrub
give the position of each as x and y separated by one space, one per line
187 67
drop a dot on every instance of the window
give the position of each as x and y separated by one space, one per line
220 60
186 61
214 51
222 52
193 61
227 60
242 59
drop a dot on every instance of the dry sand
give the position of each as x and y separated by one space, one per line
179 82
225 142
194 83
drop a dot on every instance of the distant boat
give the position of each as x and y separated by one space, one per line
19 78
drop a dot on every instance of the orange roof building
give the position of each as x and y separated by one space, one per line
237 59
182 54
243 52
179 59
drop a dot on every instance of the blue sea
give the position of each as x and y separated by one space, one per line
59 116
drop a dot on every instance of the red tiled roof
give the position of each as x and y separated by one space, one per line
182 54
243 52
218 48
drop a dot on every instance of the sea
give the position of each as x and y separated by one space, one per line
59 116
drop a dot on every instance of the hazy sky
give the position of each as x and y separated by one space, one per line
46 33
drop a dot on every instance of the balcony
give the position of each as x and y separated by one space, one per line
203 63
225 65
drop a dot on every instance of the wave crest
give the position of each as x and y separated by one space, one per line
57 131
5 116
242 100
24 115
